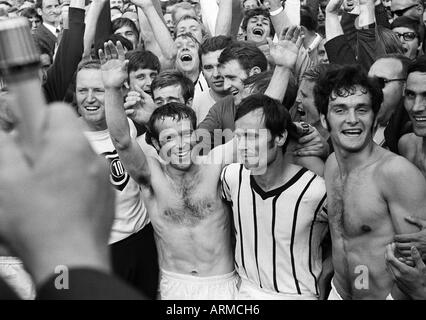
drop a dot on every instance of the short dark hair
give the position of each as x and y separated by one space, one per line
260 82
409 23
171 78
142 60
39 4
257 12
176 111
214 43
313 74
418 66
276 117
247 55
114 38
342 81
30 13
307 18
124 22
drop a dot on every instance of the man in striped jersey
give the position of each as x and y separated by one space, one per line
278 208
370 190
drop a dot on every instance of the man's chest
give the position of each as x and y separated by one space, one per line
355 205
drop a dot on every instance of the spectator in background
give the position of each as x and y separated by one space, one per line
33 17
408 32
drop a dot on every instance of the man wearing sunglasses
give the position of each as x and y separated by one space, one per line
408 32
391 72
409 8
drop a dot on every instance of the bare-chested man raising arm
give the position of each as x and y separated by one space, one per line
191 223
370 190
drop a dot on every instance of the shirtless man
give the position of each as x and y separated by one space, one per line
192 225
370 190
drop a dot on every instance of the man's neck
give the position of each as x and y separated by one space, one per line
94 126
193 75
348 161
178 175
309 38
217 96
275 175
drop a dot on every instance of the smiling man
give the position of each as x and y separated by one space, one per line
204 99
369 189
413 145
46 35
133 251
257 25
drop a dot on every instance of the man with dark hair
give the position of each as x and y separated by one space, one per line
133 251
408 31
369 189
126 28
33 17
236 62
308 54
143 68
257 26
267 193
411 278
46 35
209 52
172 86
192 224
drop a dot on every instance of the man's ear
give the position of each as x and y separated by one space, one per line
254 70
39 12
189 102
281 139
324 122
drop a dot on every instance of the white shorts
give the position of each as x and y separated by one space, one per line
176 286
250 291
334 295
13 272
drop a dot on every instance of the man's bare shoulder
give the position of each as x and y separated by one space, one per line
330 165
393 170
407 145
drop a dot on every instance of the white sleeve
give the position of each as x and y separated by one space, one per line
209 11
292 12
226 191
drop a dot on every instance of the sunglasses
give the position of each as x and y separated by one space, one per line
383 82
407 36
401 12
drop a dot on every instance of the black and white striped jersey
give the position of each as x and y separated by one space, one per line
279 232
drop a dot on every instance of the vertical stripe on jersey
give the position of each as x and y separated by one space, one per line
274 244
293 233
239 218
255 234
310 241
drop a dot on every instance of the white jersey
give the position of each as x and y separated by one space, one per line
130 212
279 232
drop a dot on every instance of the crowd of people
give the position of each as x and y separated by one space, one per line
215 150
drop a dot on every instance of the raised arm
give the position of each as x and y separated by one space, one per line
159 28
92 17
114 73
69 53
333 28
290 15
224 18
284 55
